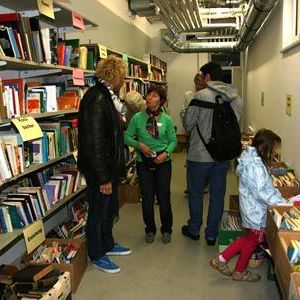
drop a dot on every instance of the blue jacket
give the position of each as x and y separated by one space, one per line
256 190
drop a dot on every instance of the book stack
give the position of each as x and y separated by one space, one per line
231 223
23 205
34 281
54 253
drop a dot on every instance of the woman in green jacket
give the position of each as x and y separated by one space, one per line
153 135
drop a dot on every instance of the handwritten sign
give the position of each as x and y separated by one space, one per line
77 20
28 128
34 235
103 51
78 78
45 8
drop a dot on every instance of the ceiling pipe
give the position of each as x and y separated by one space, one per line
192 12
256 16
196 9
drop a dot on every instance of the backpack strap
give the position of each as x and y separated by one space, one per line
201 103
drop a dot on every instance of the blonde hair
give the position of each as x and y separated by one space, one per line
135 100
112 69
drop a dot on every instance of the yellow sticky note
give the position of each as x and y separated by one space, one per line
45 7
34 235
102 51
28 128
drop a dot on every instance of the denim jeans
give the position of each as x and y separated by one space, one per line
199 175
101 214
157 183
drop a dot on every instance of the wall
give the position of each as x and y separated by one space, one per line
275 74
181 71
113 31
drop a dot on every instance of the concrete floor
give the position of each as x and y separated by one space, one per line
178 270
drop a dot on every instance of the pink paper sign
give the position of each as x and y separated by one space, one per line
77 20
78 78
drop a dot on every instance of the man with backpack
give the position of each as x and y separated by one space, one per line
212 122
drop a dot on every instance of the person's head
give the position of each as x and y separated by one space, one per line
155 98
211 72
199 81
267 144
112 70
134 101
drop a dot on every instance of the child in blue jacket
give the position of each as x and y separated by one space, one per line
256 192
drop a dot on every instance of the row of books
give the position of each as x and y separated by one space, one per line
288 180
29 203
135 85
73 228
288 220
59 139
155 61
293 252
157 75
231 223
23 37
18 97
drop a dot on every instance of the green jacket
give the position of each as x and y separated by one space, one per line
137 133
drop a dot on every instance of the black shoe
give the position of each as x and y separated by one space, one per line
210 241
185 231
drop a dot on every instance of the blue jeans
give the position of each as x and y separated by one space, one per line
199 175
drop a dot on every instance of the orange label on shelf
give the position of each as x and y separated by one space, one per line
77 20
34 235
45 8
28 128
78 78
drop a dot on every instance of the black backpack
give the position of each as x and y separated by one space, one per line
225 141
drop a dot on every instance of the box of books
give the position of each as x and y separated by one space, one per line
294 292
230 229
287 259
129 193
279 219
64 255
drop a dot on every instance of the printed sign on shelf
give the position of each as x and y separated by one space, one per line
28 128
102 51
45 8
34 235
125 57
77 20
78 78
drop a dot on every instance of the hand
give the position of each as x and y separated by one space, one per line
145 150
161 158
106 188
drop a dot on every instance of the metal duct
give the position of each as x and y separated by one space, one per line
256 16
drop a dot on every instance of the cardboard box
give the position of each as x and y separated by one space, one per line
282 266
226 237
294 292
77 268
272 229
129 194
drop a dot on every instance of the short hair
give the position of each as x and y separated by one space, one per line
135 100
214 70
160 91
264 141
111 69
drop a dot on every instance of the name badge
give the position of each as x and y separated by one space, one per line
159 124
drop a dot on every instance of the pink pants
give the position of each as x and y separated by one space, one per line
245 247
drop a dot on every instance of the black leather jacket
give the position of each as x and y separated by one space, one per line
100 137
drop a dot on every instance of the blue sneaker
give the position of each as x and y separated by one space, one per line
118 250
106 265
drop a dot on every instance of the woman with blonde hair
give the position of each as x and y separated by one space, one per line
101 160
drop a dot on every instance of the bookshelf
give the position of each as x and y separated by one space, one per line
63 18
12 67
34 168
18 64
7 240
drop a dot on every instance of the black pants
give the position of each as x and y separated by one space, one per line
157 183
102 211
